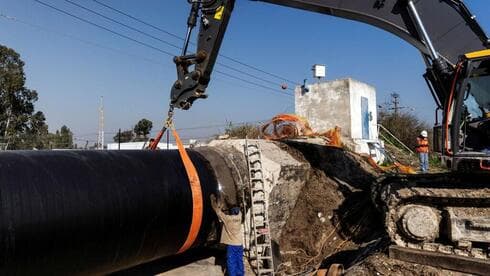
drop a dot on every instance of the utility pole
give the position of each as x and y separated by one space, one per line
396 102
6 135
100 136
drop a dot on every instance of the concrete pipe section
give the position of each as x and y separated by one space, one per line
95 212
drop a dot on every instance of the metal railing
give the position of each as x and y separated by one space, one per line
392 136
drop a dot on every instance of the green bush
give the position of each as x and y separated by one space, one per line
242 131
405 126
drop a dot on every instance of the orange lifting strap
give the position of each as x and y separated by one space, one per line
287 126
197 202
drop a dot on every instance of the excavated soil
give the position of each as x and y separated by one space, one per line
309 234
335 221
334 213
380 264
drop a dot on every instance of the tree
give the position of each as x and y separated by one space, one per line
38 132
62 139
142 129
126 136
19 125
65 138
139 132
405 126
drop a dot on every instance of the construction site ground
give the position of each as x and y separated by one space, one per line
411 159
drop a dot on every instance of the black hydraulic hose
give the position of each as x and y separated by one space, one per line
94 212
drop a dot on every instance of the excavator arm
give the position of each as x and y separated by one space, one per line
442 30
194 70
450 25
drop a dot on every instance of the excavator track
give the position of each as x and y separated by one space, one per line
441 220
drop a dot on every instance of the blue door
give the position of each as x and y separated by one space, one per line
365 117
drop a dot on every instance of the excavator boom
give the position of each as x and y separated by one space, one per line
442 30
450 25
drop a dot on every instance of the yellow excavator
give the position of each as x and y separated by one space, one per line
434 219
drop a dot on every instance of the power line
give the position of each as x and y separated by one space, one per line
165 42
100 135
184 128
123 24
181 38
139 20
253 83
250 75
94 44
146 44
260 70
104 28
91 43
80 136
227 80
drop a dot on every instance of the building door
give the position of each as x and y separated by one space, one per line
365 117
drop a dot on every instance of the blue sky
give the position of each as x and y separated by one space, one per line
71 64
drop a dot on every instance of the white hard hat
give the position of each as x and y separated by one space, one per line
424 133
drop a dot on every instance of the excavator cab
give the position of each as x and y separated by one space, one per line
466 127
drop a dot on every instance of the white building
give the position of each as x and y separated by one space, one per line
347 103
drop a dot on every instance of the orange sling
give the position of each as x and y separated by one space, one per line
197 201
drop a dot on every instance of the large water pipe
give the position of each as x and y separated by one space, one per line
95 212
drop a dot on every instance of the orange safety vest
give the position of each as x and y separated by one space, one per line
422 145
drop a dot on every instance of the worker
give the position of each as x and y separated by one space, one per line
423 150
148 146
231 236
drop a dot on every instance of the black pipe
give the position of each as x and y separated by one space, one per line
94 212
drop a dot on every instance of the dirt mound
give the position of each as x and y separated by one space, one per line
309 234
380 264
335 221
334 213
